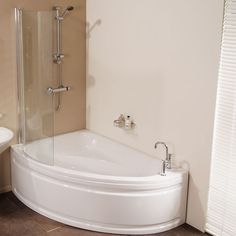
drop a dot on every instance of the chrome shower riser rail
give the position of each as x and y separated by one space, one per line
58 56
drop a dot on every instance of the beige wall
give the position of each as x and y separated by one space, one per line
157 61
72 114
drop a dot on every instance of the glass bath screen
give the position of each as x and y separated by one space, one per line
35 75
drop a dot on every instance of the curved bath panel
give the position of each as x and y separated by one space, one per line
125 203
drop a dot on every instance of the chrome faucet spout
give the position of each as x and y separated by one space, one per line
164 144
168 156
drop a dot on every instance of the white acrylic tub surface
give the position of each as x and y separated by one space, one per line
101 185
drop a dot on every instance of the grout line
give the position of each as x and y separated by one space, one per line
53 229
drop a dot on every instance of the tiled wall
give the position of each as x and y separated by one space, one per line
72 114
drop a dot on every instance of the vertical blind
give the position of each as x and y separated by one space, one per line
221 212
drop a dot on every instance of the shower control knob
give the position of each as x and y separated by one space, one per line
51 90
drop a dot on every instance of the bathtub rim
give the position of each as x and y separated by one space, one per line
174 176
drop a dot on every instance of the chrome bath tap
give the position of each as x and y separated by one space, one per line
163 167
167 162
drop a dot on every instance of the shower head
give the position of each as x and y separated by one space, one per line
66 11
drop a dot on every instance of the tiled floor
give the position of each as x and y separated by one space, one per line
18 220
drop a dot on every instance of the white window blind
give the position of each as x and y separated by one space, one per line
221 212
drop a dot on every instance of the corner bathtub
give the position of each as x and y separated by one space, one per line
100 185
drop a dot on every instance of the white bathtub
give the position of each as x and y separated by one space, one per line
100 185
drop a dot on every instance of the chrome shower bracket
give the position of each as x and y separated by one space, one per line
124 122
58 58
